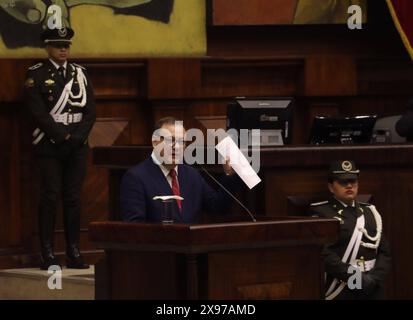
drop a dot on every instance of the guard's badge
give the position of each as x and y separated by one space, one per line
62 32
346 166
29 83
49 82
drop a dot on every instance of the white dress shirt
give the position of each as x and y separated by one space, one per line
165 171
346 205
57 66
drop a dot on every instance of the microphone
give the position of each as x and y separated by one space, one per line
230 194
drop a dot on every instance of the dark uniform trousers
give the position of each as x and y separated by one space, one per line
62 174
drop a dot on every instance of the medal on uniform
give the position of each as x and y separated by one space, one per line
29 83
49 82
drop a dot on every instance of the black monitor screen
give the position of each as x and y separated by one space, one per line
348 130
266 114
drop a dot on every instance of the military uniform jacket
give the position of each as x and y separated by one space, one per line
44 87
333 253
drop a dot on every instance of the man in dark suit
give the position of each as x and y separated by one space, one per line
59 96
360 244
163 174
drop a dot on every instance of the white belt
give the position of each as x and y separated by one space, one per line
365 266
67 118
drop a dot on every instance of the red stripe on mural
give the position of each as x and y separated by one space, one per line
402 12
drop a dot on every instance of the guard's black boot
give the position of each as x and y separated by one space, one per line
75 259
47 257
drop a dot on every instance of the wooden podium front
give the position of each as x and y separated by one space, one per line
273 259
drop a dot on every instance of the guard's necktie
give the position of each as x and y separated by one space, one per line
61 71
175 187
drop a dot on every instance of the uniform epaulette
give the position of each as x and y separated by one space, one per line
318 203
365 204
79 66
36 66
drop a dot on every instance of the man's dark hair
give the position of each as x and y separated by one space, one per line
161 122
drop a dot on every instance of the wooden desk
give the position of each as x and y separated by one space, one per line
269 259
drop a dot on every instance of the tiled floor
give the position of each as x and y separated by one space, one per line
33 284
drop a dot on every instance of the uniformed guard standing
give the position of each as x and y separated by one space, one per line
60 98
361 243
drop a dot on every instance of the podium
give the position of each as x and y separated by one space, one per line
270 259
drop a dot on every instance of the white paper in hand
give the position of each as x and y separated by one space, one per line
228 149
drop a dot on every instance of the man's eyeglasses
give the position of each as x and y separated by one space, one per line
346 182
173 141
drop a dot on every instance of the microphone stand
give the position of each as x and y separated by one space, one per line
230 194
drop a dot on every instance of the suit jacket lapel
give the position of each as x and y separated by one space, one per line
163 186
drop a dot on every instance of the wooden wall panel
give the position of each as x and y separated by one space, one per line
174 78
10 178
376 77
251 77
5 188
13 74
117 79
330 76
137 112
251 12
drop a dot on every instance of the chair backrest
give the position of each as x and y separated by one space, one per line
387 126
299 205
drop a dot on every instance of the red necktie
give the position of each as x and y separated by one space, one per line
175 187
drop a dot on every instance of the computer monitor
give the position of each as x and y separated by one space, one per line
273 116
342 130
